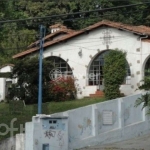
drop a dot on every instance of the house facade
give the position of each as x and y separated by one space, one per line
81 54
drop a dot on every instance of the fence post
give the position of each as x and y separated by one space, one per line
94 120
121 112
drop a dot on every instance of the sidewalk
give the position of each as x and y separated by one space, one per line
139 143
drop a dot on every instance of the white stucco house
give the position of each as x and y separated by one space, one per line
81 53
5 83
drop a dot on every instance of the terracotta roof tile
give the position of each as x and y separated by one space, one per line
58 25
12 65
141 30
146 40
66 31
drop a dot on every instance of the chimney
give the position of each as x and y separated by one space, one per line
57 27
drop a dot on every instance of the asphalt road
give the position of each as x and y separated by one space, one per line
139 143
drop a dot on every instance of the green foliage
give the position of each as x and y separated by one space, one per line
15 37
5 74
145 100
26 70
16 106
63 89
145 82
114 73
31 110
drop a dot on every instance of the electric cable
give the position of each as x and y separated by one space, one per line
76 13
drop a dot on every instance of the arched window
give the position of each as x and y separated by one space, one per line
147 68
96 71
61 67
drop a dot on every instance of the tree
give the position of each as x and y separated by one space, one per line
114 73
26 70
15 37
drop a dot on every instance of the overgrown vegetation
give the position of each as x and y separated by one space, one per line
15 37
7 113
114 73
63 89
26 70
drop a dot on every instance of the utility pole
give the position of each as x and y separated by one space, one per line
42 34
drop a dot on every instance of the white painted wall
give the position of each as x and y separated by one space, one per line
6 69
13 143
86 125
8 144
20 142
2 88
101 123
46 130
92 44
3 81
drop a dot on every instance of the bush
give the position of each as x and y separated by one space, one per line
114 73
62 89
27 72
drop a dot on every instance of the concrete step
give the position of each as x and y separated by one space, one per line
98 93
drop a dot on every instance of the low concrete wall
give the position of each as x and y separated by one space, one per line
106 122
13 143
20 141
101 123
8 144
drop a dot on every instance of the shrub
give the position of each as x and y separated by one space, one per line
62 89
114 73
27 72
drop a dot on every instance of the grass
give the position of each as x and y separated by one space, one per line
6 115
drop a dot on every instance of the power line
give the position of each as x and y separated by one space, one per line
24 47
74 19
76 13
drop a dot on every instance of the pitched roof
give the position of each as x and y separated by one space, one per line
50 36
141 30
11 65
58 25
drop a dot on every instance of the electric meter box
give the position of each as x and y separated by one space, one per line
47 133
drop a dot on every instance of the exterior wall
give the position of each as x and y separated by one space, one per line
20 142
29 136
4 82
101 123
8 144
106 122
47 131
6 69
2 88
92 44
13 143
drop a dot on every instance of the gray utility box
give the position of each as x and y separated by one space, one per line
47 133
